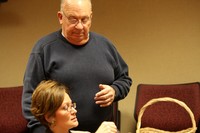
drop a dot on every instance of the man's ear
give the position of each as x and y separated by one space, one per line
60 17
91 15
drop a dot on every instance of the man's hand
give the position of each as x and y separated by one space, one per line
106 95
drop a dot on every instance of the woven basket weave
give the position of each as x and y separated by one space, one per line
153 130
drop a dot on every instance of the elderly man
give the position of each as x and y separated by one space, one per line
85 61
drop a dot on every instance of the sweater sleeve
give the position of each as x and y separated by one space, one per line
122 81
34 74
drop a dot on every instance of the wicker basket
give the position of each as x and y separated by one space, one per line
153 130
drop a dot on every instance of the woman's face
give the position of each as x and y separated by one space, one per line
65 116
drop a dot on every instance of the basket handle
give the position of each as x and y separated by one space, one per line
165 99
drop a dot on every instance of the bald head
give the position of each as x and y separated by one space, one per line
69 3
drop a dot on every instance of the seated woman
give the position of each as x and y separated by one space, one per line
53 107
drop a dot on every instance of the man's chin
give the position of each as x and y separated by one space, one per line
78 41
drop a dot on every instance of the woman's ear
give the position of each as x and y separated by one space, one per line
49 119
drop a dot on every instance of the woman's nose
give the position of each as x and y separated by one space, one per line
73 110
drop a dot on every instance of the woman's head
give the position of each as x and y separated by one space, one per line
52 106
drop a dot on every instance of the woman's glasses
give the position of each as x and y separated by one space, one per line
70 107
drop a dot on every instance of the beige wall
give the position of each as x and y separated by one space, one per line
159 39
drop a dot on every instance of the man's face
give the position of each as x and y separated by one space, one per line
75 19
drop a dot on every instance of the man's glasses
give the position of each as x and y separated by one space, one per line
75 21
